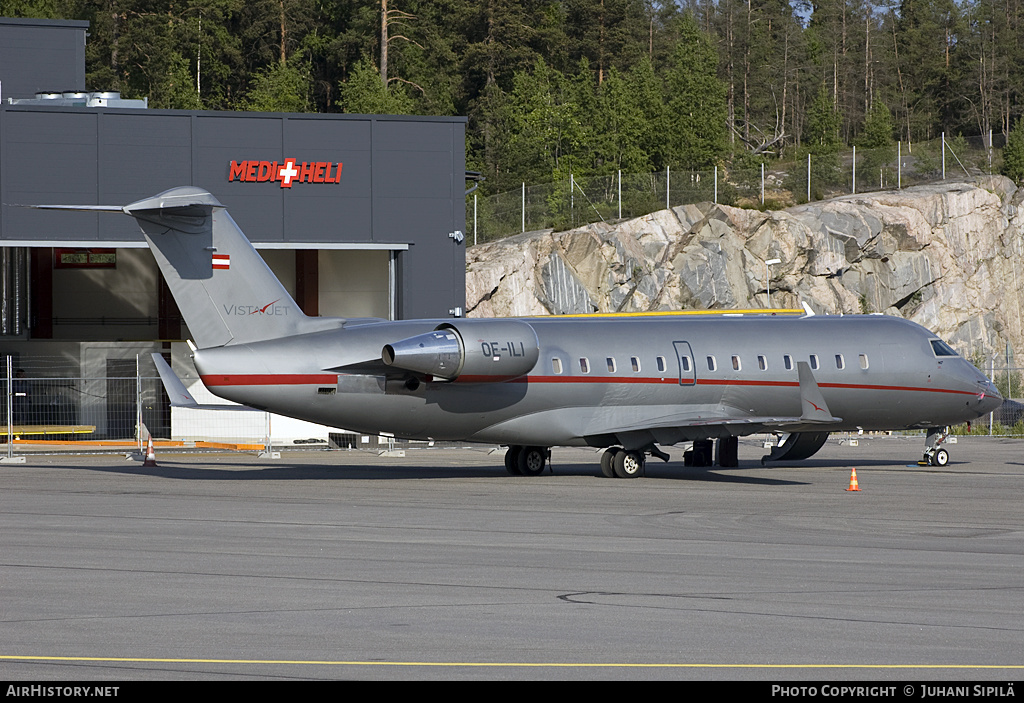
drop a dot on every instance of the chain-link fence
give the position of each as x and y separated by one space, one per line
46 404
119 403
773 184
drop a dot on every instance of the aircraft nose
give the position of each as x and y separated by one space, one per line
990 398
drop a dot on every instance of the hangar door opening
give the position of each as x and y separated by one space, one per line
338 282
357 283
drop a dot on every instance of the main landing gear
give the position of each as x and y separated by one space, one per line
526 461
934 454
618 462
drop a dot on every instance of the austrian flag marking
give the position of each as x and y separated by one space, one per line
221 261
286 173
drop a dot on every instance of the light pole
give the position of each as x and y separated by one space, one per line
768 278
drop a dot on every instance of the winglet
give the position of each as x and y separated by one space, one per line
813 406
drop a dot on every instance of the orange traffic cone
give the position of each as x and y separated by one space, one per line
853 480
150 454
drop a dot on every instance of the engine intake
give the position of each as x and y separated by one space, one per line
473 351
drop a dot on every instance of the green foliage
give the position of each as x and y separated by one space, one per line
696 110
1013 153
177 90
544 125
821 135
878 128
364 93
628 84
280 88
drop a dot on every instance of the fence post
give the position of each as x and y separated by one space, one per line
10 412
854 169
762 183
808 178
899 162
138 403
572 200
943 156
668 178
990 151
620 193
474 219
992 378
524 206
10 458
716 184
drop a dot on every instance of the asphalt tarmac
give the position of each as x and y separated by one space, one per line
439 565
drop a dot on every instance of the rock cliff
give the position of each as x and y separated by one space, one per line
947 256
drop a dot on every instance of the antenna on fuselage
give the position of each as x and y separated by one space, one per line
807 309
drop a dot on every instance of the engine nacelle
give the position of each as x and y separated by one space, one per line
474 351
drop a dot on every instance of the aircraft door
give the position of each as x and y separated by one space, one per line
687 365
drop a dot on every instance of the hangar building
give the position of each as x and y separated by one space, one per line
358 215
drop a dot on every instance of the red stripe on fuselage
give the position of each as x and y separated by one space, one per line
266 379
298 379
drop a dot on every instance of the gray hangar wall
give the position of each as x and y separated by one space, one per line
401 183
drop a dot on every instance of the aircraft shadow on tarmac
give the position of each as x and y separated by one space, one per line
187 470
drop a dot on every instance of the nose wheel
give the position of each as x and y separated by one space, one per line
934 454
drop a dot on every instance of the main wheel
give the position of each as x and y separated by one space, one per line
532 460
940 457
629 464
608 461
512 459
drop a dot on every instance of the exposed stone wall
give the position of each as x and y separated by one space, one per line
946 256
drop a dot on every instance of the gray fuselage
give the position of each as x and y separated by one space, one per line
601 381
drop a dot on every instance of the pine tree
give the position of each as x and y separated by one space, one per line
1013 153
696 112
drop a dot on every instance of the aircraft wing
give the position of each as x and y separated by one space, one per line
815 415
685 420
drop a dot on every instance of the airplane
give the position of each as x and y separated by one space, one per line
628 384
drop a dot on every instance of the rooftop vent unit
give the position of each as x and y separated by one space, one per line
76 98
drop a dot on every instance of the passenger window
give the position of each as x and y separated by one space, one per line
864 361
840 362
736 365
635 361
712 364
787 361
556 366
762 363
684 361
661 364
814 361
611 364
584 365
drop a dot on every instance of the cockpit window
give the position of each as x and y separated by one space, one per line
941 348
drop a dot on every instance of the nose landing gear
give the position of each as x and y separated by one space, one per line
934 454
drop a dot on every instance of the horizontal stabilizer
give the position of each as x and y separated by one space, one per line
179 395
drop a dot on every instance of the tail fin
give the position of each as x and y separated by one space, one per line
226 292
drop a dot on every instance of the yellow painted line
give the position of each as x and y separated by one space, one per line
161 660
673 313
